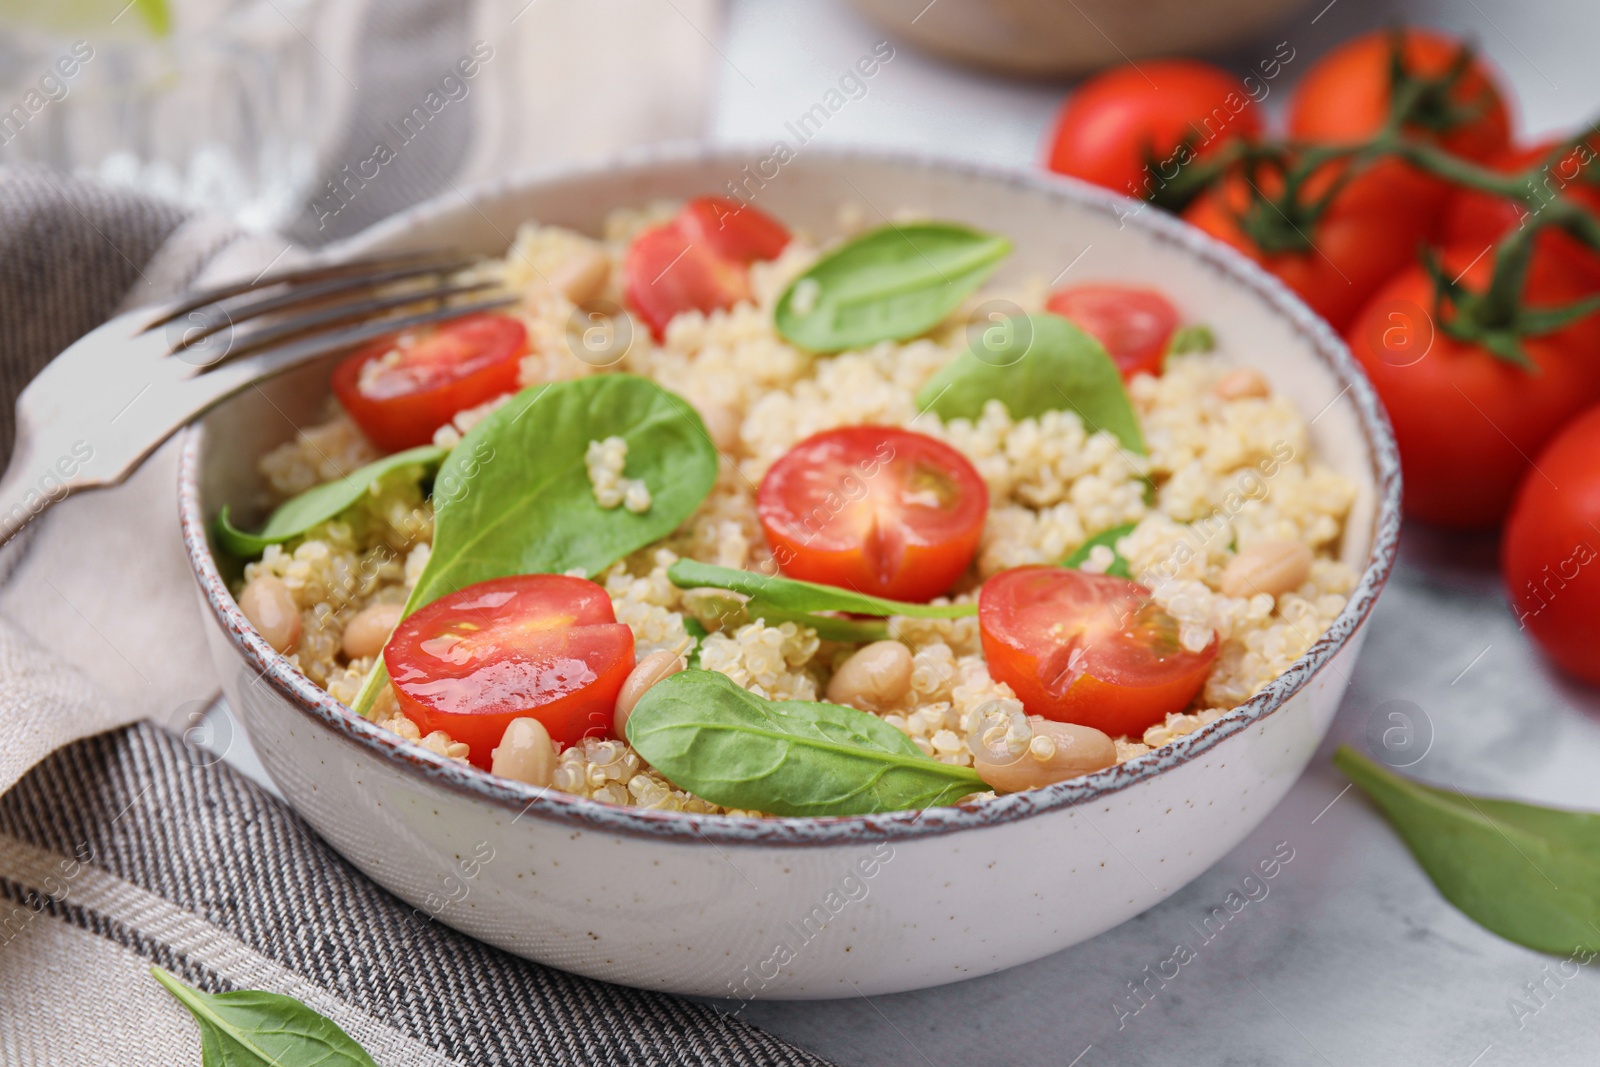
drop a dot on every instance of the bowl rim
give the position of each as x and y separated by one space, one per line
681 827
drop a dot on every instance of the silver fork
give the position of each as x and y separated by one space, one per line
101 407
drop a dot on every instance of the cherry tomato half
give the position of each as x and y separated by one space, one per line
667 272
1116 123
398 400
1549 553
883 511
1092 649
1135 325
543 646
734 230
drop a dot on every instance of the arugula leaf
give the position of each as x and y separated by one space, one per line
887 285
804 598
1045 364
786 757
1109 538
514 497
319 504
1530 874
250 1028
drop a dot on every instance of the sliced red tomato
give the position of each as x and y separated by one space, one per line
666 272
1479 219
1134 324
1550 549
400 389
542 646
1166 112
734 230
882 511
1091 649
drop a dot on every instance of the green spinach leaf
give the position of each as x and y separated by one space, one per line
1528 873
887 285
319 504
250 1028
803 598
1109 538
1193 338
514 497
1044 364
786 757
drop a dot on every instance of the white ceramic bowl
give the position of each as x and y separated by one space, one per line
726 906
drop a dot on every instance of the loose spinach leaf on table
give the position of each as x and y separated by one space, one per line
250 1028
803 598
786 757
1044 364
888 285
514 497
1109 538
1530 874
319 504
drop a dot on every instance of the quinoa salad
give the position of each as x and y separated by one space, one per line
723 518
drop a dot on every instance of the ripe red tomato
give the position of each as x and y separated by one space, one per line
1092 649
1466 420
1118 121
734 230
1548 555
543 646
885 512
1135 325
1345 98
1479 219
666 272
1360 241
435 372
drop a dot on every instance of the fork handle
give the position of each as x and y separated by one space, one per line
39 476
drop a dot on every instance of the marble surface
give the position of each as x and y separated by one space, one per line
1351 956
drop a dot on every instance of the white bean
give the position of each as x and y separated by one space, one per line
270 607
875 678
367 633
650 670
1272 567
525 753
1057 751
1241 384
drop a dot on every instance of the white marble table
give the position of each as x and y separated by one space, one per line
1353 957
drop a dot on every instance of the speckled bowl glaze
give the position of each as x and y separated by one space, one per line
790 908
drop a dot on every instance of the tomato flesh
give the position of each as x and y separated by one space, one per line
1091 649
1548 556
733 229
542 646
400 389
667 272
1134 325
1481 219
879 510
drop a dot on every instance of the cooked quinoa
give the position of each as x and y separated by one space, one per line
1221 474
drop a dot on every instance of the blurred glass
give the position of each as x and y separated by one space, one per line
219 104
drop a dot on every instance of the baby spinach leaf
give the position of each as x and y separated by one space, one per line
887 285
1109 538
1045 364
697 630
1528 873
787 757
1196 337
250 1028
514 497
804 598
319 504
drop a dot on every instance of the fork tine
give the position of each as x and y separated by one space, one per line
230 376
339 314
302 274
313 292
